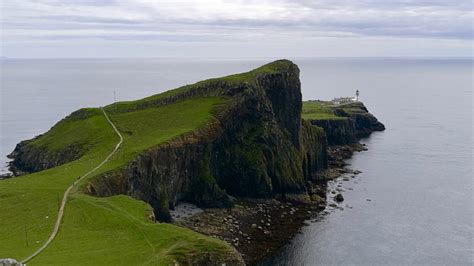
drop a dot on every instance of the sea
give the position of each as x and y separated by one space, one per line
411 205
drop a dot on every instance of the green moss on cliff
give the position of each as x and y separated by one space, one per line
318 110
205 190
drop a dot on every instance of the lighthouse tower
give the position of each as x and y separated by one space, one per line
357 95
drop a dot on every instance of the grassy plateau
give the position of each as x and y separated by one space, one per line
318 110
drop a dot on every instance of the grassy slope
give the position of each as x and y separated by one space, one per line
322 110
317 110
26 201
357 107
107 230
116 231
85 118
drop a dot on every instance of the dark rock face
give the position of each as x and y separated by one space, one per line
364 122
338 132
358 123
258 154
314 147
29 158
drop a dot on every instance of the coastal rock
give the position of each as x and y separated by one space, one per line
317 199
10 262
339 197
357 123
338 131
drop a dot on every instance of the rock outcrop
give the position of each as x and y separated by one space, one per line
10 262
29 158
338 131
356 123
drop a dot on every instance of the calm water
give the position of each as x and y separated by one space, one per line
417 174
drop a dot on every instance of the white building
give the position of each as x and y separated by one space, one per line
342 100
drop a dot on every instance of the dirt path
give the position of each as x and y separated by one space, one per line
68 190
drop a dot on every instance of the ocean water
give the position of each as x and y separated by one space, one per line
417 174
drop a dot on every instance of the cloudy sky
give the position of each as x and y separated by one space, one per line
236 29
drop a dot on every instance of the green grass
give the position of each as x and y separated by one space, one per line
318 110
353 108
105 231
116 231
26 201
90 120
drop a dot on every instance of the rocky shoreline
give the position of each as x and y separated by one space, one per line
259 227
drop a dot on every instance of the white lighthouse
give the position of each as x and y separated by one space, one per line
357 95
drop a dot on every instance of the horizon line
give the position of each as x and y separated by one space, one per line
251 58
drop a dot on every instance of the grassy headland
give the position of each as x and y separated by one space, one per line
318 110
112 230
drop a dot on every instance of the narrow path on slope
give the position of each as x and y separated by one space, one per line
68 190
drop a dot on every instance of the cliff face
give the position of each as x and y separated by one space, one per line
256 147
44 152
338 131
357 123
29 158
314 150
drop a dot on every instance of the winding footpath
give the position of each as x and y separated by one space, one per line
68 190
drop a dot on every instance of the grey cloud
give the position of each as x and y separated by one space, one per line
86 19
80 2
443 19
387 4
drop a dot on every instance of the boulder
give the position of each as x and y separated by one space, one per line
339 197
10 262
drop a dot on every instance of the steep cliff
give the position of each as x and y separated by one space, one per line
50 150
338 131
255 147
364 122
343 124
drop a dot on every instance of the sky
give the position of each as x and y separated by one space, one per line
236 29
